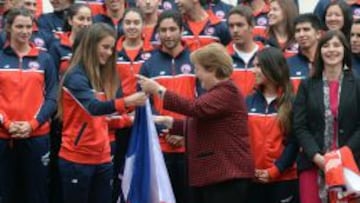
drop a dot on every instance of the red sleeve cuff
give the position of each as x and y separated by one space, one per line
120 105
34 124
127 120
274 172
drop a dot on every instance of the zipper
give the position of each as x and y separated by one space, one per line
79 135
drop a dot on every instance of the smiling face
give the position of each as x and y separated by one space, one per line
132 25
105 49
276 14
332 52
20 30
334 18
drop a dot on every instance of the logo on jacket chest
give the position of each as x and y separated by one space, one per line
34 65
39 42
262 21
186 68
210 31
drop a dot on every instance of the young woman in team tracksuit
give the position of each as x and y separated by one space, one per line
273 147
88 95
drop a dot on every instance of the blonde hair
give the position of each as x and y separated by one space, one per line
214 57
103 78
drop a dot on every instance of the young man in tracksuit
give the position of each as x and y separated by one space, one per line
243 48
307 33
170 66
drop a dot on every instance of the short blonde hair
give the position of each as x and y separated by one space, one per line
214 57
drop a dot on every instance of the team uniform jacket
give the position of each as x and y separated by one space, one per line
127 68
243 74
167 5
106 19
85 133
177 75
261 19
267 140
220 9
213 31
96 6
52 22
39 38
288 51
28 90
61 51
300 67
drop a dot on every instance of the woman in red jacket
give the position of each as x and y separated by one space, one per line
269 112
219 159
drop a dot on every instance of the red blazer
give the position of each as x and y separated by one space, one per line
217 134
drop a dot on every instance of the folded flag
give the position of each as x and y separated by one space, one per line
145 178
342 174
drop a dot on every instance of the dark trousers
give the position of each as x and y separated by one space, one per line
232 191
86 183
277 192
175 163
55 143
24 166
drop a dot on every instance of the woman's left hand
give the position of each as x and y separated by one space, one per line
148 85
262 176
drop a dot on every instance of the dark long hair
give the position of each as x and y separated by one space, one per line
274 67
319 62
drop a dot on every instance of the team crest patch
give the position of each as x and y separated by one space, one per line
157 37
34 65
220 14
262 21
145 56
167 5
357 12
186 68
210 31
39 42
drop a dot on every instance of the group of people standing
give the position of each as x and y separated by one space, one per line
248 100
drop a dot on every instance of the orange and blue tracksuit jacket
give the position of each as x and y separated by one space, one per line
167 5
103 18
299 66
268 141
52 22
127 68
288 51
214 30
176 74
28 90
219 8
243 74
85 133
96 6
61 51
261 19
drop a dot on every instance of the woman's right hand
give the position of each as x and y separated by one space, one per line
136 99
